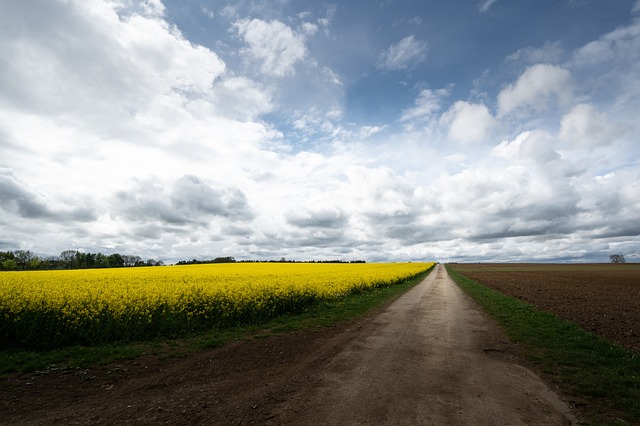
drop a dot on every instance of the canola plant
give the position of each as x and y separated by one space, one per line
92 306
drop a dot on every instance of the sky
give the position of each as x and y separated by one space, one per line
377 130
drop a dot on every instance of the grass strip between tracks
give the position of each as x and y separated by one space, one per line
324 314
604 378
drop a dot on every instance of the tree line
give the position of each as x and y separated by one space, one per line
231 259
25 260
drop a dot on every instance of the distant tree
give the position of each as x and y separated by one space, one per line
88 260
71 259
115 260
34 263
6 255
101 261
9 258
617 258
128 260
80 260
131 260
50 262
9 265
227 259
24 259
68 259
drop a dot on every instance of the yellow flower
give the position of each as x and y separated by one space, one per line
93 305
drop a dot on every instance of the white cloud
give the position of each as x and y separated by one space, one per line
539 87
532 147
485 5
153 8
119 134
368 131
309 28
84 61
584 127
331 76
208 12
468 122
317 217
622 43
550 52
241 98
189 201
405 54
95 94
496 202
317 122
610 66
274 44
426 105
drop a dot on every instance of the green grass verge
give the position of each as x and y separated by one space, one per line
324 314
603 376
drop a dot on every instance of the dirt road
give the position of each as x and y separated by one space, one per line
429 358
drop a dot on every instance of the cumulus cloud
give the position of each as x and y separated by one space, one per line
505 201
309 28
534 147
468 123
93 84
117 133
275 45
241 98
538 88
75 48
610 209
22 202
609 67
96 70
153 7
584 127
318 218
405 54
620 44
189 201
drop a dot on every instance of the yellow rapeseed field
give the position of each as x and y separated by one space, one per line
55 308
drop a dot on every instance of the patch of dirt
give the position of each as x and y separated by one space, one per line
601 298
240 383
431 357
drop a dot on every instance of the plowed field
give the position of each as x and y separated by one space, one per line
601 298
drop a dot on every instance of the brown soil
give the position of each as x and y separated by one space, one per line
431 357
601 298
